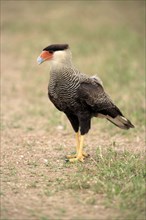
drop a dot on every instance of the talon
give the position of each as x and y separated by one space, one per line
71 156
75 155
86 154
72 160
79 158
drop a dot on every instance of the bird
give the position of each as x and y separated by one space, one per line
79 96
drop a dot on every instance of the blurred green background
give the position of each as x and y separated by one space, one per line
106 38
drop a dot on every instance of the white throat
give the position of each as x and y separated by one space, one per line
62 57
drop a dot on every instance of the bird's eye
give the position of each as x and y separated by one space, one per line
50 51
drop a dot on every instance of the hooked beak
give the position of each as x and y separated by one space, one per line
45 55
40 60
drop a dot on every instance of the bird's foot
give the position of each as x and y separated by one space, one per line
78 158
75 155
85 154
81 159
71 156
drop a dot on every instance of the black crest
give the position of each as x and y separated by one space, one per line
55 47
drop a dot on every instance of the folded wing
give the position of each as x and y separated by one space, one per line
92 94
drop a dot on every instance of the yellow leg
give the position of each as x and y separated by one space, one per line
77 146
80 152
80 155
81 140
77 142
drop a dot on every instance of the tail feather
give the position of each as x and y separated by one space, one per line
121 122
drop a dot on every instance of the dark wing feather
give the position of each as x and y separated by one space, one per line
92 93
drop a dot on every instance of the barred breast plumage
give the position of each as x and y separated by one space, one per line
63 86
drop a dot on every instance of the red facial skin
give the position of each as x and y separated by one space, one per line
45 55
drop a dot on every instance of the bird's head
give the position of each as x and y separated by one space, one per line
58 53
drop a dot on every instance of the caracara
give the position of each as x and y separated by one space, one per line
80 97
